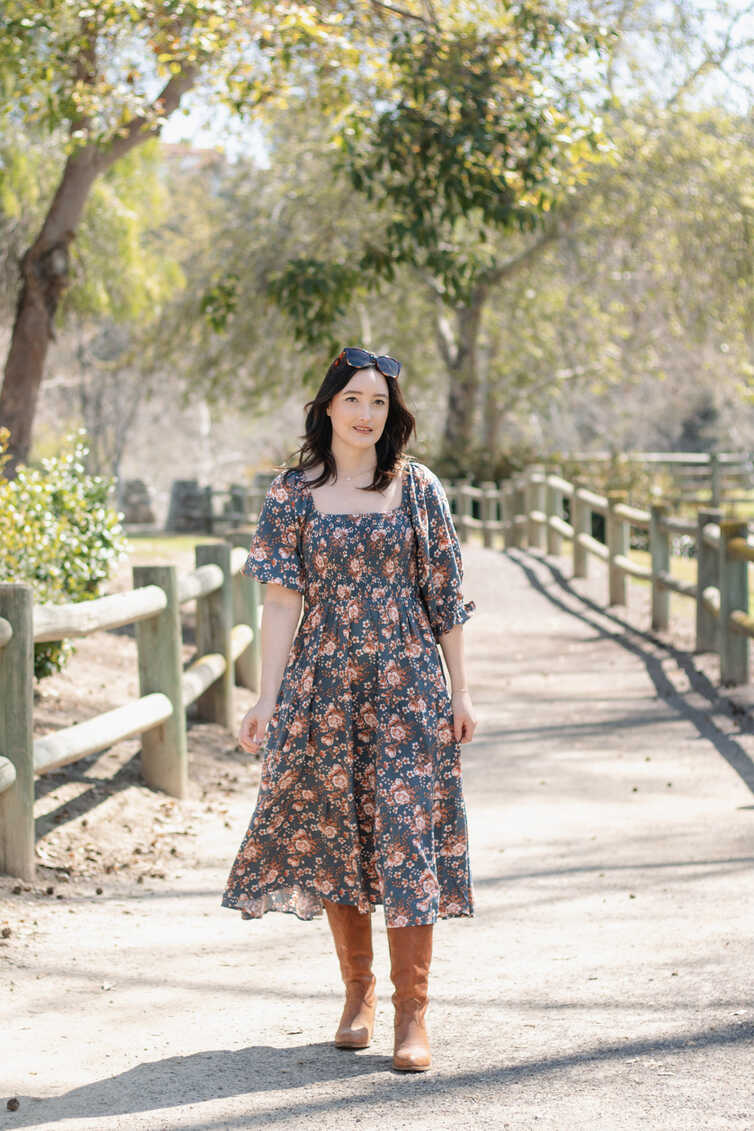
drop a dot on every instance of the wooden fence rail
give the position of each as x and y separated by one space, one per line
227 635
529 510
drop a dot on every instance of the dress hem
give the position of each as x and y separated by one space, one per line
233 905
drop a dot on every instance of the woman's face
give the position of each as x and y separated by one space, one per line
359 411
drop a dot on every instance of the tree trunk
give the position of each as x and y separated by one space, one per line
45 274
492 407
463 370
493 419
45 268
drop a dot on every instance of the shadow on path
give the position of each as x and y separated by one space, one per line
635 641
226 1073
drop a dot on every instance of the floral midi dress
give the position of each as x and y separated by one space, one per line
360 798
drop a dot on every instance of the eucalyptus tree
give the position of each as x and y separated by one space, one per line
490 150
221 335
106 75
122 269
484 126
641 311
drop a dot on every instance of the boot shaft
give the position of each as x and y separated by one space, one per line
352 935
410 961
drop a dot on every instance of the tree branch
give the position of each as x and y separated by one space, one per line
143 127
505 270
713 58
446 343
394 11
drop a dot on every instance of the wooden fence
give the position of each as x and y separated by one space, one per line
227 650
534 509
530 510
707 478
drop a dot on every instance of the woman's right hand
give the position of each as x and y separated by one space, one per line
253 725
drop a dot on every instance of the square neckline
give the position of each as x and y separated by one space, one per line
355 514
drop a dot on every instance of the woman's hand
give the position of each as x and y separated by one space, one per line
253 725
464 719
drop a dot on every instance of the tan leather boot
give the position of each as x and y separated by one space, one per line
352 933
410 958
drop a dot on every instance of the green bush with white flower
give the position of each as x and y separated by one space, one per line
58 533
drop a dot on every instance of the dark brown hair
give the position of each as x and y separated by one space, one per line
317 440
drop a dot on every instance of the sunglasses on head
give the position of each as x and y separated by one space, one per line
362 359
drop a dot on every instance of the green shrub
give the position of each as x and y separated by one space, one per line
58 533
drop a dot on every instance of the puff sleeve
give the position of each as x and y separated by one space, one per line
274 553
447 607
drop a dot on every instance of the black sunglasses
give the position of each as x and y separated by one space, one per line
362 359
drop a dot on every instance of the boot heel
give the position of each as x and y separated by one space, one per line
357 1023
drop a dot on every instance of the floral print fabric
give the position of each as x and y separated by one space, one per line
360 798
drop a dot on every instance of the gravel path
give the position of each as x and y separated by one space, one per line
606 982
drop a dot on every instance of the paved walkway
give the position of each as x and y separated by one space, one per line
607 981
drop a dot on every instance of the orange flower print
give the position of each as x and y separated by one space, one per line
417 704
401 795
338 779
302 842
397 730
334 719
444 731
354 609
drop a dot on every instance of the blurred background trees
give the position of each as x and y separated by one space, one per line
546 212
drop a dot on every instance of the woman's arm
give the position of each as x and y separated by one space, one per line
280 616
464 718
452 649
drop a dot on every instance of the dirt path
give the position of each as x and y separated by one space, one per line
607 981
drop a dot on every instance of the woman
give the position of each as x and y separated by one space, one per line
360 799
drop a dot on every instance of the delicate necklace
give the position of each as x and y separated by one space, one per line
356 474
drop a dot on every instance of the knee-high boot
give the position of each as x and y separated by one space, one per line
410 958
352 932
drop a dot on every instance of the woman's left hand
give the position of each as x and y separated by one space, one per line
464 719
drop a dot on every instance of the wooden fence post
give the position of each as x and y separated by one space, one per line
714 467
707 574
581 520
207 509
536 533
488 511
214 622
519 509
164 758
659 549
246 606
617 543
506 512
16 742
238 504
465 505
734 595
554 508
529 496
